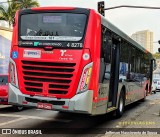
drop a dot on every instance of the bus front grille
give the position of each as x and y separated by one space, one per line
48 77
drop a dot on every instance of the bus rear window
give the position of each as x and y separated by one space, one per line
52 26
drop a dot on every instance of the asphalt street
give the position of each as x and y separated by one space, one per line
138 115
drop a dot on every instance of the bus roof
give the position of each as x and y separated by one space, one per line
113 28
52 8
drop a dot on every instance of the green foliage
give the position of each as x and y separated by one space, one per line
156 55
7 12
27 3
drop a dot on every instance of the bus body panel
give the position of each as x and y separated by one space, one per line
136 90
92 42
51 70
32 69
51 79
76 104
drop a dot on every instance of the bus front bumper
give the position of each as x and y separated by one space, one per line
80 103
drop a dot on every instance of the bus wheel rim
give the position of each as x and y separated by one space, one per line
121 105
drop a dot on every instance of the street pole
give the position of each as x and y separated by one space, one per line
128 6
140 7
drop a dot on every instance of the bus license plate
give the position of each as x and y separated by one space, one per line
44 106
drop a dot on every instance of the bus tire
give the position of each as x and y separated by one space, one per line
121 104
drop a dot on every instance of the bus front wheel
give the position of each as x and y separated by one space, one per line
121 104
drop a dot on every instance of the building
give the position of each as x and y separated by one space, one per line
6 32
5 45
144 38
4 24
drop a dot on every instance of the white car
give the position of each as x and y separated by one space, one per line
154 87
156 82
158 85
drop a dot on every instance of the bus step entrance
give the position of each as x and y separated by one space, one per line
109 104
111 109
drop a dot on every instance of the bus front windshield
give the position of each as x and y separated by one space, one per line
52 26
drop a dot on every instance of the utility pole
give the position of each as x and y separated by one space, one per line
128 6
101 7
101 10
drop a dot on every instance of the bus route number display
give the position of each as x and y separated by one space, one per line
52 19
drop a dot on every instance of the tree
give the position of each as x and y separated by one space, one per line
27 3
156 55
7 12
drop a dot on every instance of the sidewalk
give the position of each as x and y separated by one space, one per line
149 117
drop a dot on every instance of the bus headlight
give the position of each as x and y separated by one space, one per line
13 74
85 78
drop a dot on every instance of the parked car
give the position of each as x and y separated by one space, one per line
4 92
158 85
154 87
156 82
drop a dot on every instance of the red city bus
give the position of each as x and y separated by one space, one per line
74 60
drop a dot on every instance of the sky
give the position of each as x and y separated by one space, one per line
127 19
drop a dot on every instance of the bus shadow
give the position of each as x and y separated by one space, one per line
6 108
84 124
136 105
9 109
77 123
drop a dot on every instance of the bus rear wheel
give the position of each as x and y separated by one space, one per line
121 104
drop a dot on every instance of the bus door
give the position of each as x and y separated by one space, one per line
114 74
109 72
152 67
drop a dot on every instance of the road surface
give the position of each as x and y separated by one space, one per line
138 115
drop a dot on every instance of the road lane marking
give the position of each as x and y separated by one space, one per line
35 117
12 121
5 106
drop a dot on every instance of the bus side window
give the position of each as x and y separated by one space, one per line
106 43
147 66
154 64
124 67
